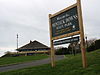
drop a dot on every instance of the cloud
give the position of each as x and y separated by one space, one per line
91 18
29 18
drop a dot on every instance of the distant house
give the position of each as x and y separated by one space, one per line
33 47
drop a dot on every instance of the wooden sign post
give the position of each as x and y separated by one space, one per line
66 23
83 50
52 53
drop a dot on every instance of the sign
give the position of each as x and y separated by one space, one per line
65 22
69 40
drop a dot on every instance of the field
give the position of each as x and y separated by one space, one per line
71 65
21 59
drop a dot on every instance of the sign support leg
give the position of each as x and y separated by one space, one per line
83 50
52 46
52 54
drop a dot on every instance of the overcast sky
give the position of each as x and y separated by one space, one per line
29 19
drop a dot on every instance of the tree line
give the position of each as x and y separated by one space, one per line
74 48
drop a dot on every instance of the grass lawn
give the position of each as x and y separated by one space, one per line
71 65
21 59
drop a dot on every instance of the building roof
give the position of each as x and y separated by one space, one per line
33 45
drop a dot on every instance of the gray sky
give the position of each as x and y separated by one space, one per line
29 18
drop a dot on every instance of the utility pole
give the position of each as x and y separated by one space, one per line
17 41
86 42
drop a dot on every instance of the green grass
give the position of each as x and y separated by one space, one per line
71 65
20 59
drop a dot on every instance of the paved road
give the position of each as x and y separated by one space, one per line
28 64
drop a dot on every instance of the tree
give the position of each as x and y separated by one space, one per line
62 51
90 42
97 44
74 48
91 47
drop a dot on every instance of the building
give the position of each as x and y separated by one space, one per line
33 47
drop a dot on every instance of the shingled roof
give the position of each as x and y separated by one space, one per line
33 45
